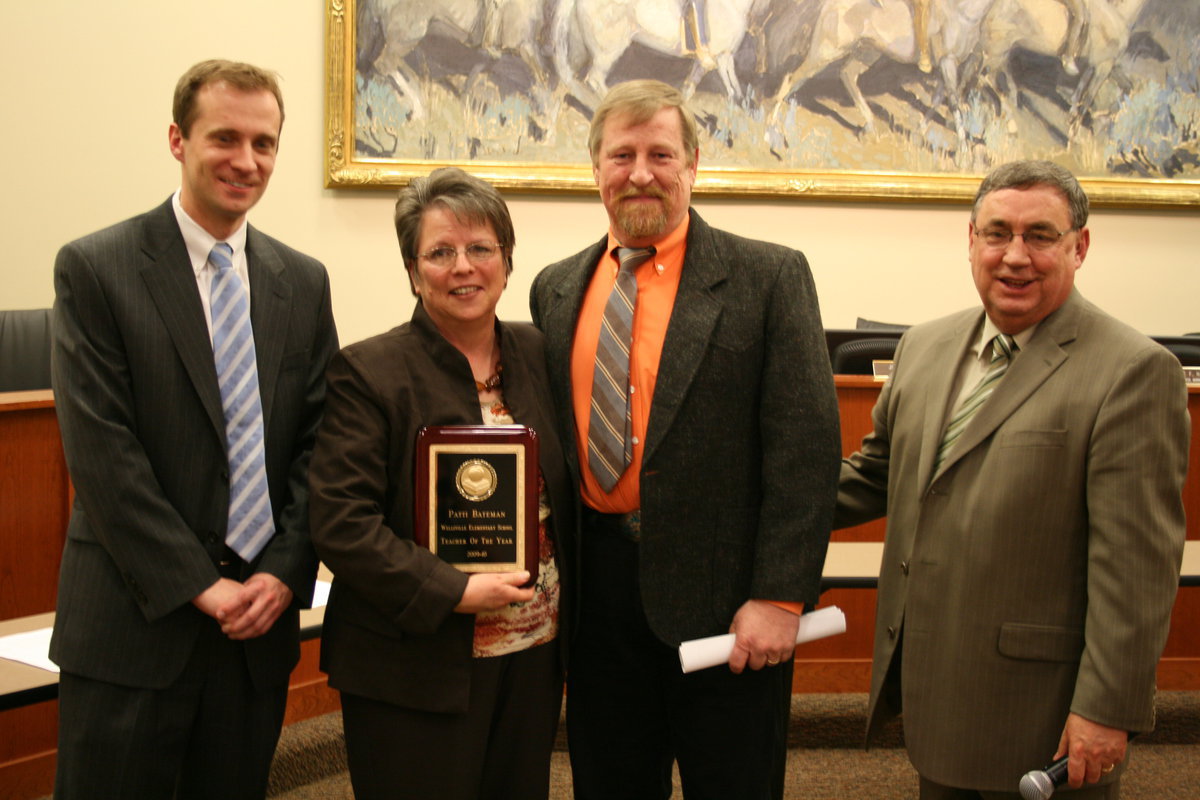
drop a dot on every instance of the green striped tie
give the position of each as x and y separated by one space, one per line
1003 348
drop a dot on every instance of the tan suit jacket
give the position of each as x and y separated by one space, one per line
1033 574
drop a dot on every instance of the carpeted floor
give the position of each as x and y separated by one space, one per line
826 760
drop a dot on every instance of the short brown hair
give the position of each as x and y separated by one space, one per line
641 100
468 198
241 76
1027 174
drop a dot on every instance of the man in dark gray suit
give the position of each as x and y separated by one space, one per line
711 509
175 647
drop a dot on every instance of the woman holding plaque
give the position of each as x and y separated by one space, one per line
451 683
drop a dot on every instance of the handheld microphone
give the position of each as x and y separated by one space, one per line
1039 784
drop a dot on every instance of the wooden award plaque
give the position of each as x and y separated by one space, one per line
476 500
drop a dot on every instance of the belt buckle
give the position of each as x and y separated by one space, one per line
630 525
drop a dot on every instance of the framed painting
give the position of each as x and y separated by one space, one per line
892 100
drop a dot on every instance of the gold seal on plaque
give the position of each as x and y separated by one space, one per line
476 480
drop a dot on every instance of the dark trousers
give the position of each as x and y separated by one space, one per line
631 711
498 750
209 735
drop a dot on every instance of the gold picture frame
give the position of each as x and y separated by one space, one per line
349 167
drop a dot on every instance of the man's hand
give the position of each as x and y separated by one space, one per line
765 635
487 591
1093 749
254 609
215 597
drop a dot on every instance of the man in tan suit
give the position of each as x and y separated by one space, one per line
1032 556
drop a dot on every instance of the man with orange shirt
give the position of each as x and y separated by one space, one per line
715 516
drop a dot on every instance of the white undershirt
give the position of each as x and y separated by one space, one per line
199 244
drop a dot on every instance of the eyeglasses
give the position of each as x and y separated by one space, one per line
478 254
1036 239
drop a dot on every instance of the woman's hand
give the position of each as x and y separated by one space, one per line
487 591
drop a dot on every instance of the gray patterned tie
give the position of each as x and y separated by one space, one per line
610 438
1003 348
250 520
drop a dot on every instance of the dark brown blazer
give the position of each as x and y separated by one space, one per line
740 464
390 630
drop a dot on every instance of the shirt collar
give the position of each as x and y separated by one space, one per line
199 241
983 350
668 250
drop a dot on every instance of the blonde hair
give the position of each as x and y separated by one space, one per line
640 100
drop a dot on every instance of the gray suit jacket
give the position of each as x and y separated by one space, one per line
1033 574
740 461
144 436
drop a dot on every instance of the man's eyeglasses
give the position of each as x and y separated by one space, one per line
1035 239
478 254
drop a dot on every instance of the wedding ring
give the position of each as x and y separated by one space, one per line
1107 769
773 661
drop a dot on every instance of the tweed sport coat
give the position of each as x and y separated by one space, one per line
740 461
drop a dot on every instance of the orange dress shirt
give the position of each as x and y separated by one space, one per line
658 283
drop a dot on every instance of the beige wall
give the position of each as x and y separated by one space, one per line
87 89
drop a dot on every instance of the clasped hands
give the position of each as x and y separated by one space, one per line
245 610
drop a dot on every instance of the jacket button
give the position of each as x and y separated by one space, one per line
891 632
904 567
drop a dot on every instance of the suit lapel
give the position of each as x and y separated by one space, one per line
950 350
1037 362
270 302
559 318
693 320
171 282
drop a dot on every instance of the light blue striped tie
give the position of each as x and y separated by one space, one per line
1003 348
610 425
250 520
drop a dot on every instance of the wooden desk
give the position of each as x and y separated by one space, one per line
855 565
22 685
35 502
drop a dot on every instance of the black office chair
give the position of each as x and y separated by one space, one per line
855 356
24 350
1188 354
872 325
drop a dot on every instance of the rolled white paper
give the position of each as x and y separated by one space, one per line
714 650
